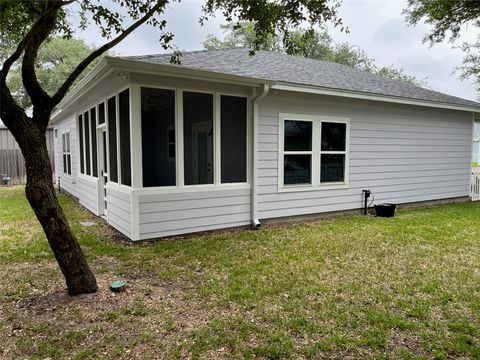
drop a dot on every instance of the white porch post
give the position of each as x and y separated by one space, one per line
136 158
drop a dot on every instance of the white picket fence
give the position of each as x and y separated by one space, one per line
475 184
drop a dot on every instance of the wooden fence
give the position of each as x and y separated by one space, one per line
12 163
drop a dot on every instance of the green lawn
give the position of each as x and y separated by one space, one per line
354 287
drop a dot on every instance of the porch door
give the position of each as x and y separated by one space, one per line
103 172
203 172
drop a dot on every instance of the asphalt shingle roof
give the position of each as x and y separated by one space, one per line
272 66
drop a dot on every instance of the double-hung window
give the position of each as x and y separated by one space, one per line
67 158
313 152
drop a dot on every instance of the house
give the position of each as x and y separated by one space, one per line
226 140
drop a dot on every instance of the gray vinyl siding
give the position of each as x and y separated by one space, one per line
88 193
402 153
67 182
173 214
119 211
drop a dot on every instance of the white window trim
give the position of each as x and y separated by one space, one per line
316 152
180 161
67 152
88 109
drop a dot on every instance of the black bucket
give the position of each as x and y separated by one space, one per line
385 210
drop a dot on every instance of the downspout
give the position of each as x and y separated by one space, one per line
256 100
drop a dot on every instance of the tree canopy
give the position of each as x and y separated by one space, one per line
314 44
448 19
56 59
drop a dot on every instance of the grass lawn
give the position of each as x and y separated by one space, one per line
354 287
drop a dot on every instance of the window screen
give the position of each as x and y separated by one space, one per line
80 139
233 138
86 130
93 130
158 137
112 139
198 138
124 117
101 113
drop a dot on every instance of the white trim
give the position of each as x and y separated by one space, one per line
217 141
136 136
180 157
117 128
366 96
66 151
315 153
160 190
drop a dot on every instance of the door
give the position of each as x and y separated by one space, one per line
202 154
103 172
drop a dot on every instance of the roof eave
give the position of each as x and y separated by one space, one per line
184 72
370 96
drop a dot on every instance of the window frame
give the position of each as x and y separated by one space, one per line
179 143
316 152
83 155
67 151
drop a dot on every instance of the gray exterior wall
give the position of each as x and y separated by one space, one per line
402 153
171 214
86 188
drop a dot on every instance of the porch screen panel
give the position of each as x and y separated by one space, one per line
198 138
158 137
101 113
86 123
80 138
125 156
233 137
112 139
93 130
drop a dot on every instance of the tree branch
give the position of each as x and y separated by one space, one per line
95 54
41 30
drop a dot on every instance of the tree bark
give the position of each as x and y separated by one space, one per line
42 198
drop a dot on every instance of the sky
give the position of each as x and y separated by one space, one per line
376 26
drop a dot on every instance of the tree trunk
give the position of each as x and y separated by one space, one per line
42 198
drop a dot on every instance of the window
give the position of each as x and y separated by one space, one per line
333 152
158 123
112 138
86 131
93 130
313 151
213 133
233 138
124 127
101 113
67 159
198 138
80 140
171 143
297 158
87 139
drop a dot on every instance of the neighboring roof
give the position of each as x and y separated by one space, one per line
288 69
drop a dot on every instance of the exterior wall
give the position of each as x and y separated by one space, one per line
67 182
401 153
172 214
87 188
188 209
119 210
